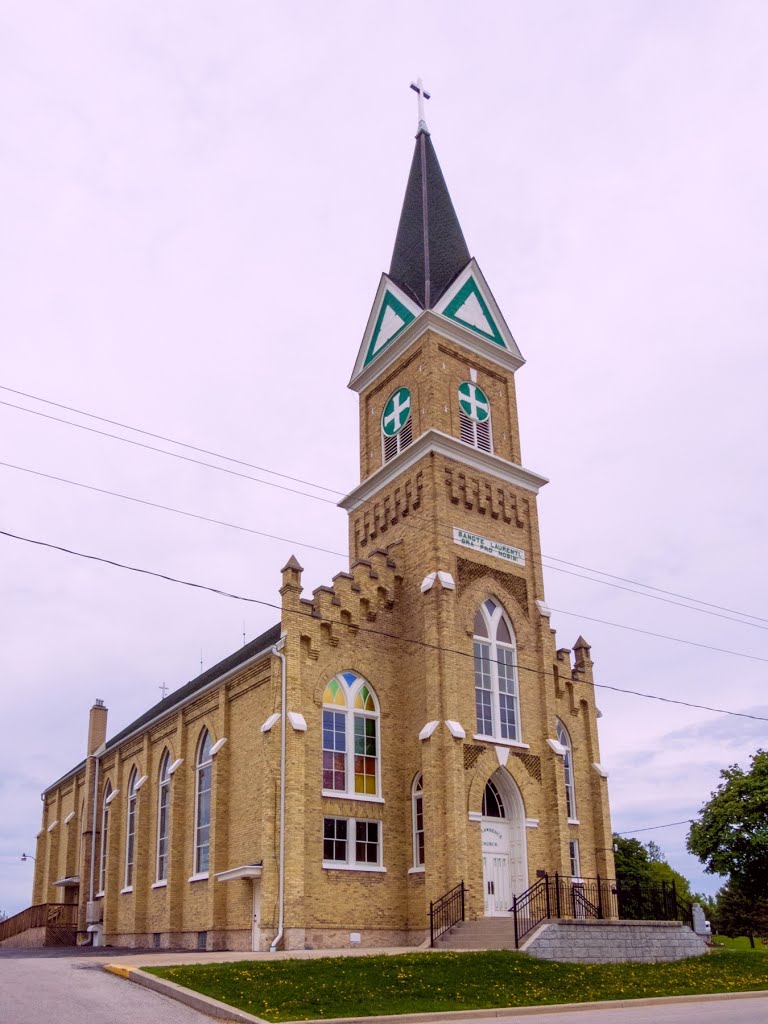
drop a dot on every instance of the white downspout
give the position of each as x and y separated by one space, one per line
281 857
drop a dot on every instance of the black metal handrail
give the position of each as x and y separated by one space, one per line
446 912
565 896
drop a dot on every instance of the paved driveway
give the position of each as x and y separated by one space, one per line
75 990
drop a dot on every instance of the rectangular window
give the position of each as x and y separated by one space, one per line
130 841
162 833
507 694
573 848
352 843
483 689
335 840
367 842
365 755
203 835
334 751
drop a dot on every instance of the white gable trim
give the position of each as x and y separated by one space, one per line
429 320
385 285
473 270
452 448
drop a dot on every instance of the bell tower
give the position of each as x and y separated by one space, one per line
445 496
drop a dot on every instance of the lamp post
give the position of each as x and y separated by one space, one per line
27 856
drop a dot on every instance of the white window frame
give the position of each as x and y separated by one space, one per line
105 801
393 444
350 864
574 855
564 739
495 646
350 713
163 797
417 797
200 766
132 795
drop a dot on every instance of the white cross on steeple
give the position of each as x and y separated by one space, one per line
418 88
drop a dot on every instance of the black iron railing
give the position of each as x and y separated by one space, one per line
564 896
446 912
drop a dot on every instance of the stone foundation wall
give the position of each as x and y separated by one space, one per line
607 942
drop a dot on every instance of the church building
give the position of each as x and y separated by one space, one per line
409 726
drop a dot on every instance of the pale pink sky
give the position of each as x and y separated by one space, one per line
197 200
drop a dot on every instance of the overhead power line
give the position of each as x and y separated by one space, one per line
710 608
358 628
652 828
340 554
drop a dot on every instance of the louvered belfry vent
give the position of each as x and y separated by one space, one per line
393 444
476 434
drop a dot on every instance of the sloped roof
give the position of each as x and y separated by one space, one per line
429 247
261 643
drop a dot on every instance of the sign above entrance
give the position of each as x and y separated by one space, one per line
488 547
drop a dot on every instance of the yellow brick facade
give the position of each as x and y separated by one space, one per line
414 647
401 618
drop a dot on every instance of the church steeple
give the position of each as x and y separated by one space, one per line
430 250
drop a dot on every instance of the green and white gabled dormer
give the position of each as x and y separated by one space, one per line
432 283
391 313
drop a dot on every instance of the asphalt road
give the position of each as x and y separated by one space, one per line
57 990
39 989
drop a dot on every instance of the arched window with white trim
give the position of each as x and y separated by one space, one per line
203 774
474 416
417 813
564 739
104 834
351 763
163 812
396 424
495 658
130 828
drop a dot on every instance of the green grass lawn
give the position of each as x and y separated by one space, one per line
742 942
421 982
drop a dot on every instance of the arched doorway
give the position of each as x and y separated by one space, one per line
502 829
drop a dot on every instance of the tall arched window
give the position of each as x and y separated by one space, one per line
417 810
396 424
203 770
163 807
496 697
104 833
474 416
350 737
130 827
570 789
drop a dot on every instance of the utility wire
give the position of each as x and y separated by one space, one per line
357 628
173 455
410 524
330 551
162 437
652 828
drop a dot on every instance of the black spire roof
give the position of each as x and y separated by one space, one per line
430 250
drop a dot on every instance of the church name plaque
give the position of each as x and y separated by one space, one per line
488 547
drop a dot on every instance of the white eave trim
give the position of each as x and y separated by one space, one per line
429 320
244 871
70 882
452 448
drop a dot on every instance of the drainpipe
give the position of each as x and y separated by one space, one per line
281 862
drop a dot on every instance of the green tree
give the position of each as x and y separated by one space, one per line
631 860
740 913
731 835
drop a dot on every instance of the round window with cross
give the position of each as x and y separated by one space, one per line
396 412
473 402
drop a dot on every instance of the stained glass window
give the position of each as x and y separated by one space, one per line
163 810
130 828
350 737
203 803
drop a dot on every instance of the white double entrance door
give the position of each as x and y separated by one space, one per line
504 864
